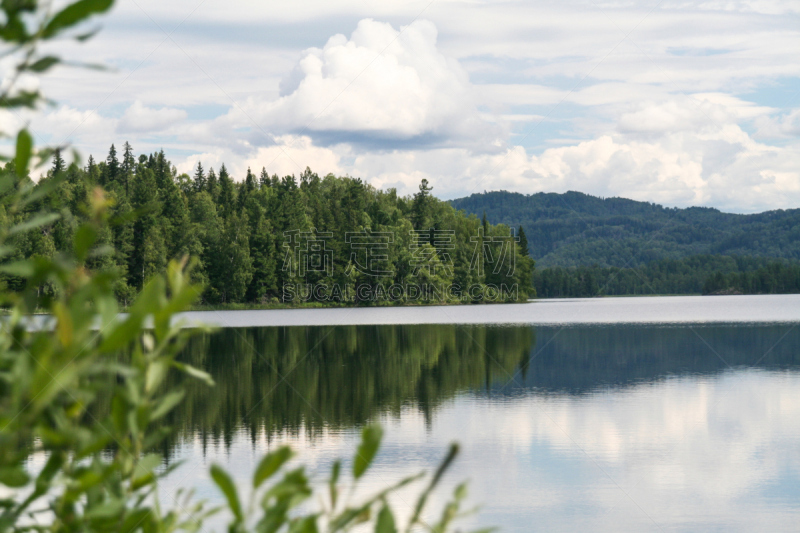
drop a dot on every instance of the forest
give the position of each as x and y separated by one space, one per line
269 240
575 229
266 240
698 274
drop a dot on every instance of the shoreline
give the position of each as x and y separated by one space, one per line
567 311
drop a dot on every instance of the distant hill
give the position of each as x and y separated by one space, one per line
573 229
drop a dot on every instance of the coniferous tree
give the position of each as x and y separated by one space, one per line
227 193
232 268
200 183
420 208
247 188
58 163
128 167
111 173
523 242
263 254
92 173
162 171
264 180
145 255
212 185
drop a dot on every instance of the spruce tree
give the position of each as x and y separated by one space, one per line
212 184
262 253
523 242
420 208
200 183
227 193
141 259
111 174
128 166
247 188
162 171
58 163
232 266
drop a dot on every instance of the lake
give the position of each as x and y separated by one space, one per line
600 417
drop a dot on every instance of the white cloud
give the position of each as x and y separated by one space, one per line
141 119
688 113
719 166
379 85
682 151
786 125
288 155
67 123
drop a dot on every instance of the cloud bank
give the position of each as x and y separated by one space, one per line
380 86
684 104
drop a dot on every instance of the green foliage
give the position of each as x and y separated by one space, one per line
238 233
698 274
575 229
275 507
774 277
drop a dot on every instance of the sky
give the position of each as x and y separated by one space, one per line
673 102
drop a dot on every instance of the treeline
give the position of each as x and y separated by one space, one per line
236 231
699 274
774 278
574 229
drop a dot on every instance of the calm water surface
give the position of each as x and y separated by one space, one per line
615 427
641 310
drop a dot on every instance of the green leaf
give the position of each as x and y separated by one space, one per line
137 520
14 477
156 372
107 510
93 446
270 464
23 269
86 36
370 442
306 524
75 13
122 334
333 490
460 492
43 64
194 372
225 484
166 404
143 474
131 327
385 522
423 498
36 221
21 99
119 413
49 471
43 188
24 152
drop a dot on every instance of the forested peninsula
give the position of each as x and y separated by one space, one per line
270 240
265 240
